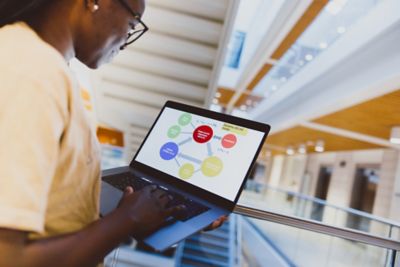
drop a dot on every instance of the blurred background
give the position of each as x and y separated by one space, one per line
324 74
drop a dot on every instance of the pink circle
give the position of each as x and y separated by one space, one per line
229 141
203 134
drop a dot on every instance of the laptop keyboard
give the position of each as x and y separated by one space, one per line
193 208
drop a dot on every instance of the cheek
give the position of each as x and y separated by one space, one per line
112 45
104 47
108 55
110 49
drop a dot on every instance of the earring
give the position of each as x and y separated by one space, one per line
95 7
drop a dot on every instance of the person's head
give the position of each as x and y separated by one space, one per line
94 29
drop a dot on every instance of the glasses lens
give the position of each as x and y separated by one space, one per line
134 34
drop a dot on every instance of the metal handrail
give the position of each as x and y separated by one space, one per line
323 202
318 227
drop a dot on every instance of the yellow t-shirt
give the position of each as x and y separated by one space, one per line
49 155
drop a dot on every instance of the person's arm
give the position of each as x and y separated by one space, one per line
137 214
84 248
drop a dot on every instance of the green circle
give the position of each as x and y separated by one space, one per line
186 171
185 119
174 131
212 166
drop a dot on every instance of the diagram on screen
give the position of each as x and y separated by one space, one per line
203 134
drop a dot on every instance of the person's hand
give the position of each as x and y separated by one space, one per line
216 224
146 209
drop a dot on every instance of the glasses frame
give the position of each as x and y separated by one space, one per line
137 17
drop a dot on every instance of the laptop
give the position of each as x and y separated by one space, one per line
200 157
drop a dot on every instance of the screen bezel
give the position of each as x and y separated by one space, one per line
190 188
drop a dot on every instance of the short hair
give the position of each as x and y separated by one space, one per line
17 10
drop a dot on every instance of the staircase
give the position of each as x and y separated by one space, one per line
215 248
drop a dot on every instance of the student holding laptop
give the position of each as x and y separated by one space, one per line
49 157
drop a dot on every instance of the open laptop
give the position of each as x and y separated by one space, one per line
202 158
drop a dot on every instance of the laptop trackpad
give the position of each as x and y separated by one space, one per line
109 198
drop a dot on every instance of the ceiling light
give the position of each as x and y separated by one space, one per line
218 95
290 151
215 101
302 149
266 153
323 45
309 57
320 146
395 135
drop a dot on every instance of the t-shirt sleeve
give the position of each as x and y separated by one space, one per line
32 122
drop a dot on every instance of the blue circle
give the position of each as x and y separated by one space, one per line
169 151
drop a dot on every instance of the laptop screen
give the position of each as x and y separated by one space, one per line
207 153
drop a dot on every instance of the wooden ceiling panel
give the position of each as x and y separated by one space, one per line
248 100
302 24
265 69
298 135
226 94
375 117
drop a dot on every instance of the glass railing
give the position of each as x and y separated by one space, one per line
274 227
299 247
261 238
265 197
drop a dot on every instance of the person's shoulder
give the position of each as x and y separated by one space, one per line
23 51
25 56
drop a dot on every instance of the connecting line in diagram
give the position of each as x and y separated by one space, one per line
189 158
210 153
177 162
185 141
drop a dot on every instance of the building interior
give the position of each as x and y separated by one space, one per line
324 74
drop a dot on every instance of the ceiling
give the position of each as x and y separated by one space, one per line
372 119
346 95
178 59
375 117
300 14
182 57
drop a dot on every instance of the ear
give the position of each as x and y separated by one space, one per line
92 5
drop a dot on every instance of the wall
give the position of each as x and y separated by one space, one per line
292 172
300 174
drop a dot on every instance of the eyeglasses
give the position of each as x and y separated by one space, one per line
137 30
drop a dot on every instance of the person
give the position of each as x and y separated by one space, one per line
49 156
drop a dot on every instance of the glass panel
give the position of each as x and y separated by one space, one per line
235 50
304 248
265 197
333 22
245 241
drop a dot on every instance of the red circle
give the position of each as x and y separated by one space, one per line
229 141
203 134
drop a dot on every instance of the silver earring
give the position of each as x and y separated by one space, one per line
95 8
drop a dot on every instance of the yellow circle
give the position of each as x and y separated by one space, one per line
212 166
186 171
